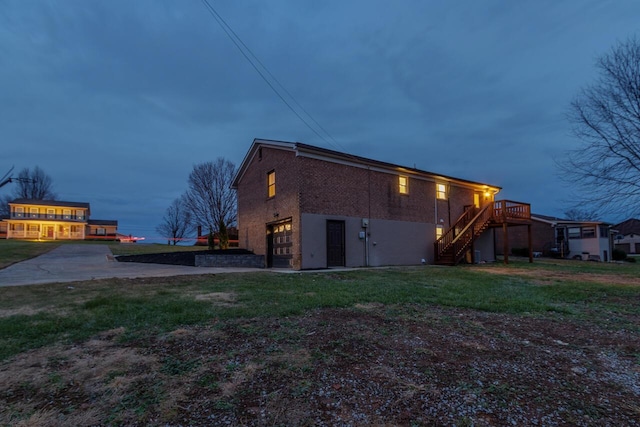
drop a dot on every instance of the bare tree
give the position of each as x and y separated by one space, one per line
176 223
606 118
576 214
30 184
210 198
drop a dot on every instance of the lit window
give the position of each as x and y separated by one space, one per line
271 183
66 214
34 212
441 191
439 231
476 200
19 212
403 184
51 213
101 231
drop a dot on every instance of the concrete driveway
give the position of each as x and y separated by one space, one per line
72 263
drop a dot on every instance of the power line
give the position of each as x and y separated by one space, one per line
253 60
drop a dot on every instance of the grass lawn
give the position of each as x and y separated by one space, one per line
12 251
550 343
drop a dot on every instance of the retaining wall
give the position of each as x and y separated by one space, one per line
250 261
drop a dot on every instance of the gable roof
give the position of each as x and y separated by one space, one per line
630 226
552 220
306 150
49 203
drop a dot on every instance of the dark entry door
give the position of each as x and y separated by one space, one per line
335 243
279 245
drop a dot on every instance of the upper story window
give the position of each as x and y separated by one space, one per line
403 184
19 212
581 232
441 191
33 212
51 213
271 183
79 214
604 231
66 213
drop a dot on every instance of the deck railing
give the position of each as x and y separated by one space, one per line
458 238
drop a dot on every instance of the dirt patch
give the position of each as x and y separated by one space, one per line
218 298
542 276
348 367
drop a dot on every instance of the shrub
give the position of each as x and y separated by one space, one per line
520 252
630 259
618 255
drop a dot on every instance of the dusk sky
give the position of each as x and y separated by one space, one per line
118 100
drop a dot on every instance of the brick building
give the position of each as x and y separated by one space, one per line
306 207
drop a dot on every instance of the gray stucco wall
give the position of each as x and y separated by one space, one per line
484 244
390 242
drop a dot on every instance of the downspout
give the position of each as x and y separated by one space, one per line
366 231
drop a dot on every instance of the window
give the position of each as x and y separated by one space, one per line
439 231
271 183
588 232
51 213
101 231
19 212
403 184
33 212
476 200
66 213
604 231
573 232
79 214
441 191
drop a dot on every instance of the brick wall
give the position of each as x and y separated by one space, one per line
256 209
542 236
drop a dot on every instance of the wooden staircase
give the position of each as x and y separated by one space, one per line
453 245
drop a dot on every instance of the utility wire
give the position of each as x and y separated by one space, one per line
253 59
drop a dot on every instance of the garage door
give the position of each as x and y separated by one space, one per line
280 245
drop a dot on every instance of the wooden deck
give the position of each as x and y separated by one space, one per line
451 248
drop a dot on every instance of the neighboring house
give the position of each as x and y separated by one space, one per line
557 237
628 236
3 227
306 207
55 220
